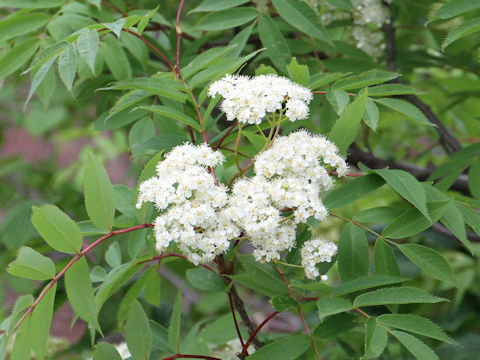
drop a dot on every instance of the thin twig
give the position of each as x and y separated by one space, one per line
73 261
164 256
262 324
225 135
184 356
179 38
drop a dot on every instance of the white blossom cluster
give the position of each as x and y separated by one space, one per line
315 251
250 99
290 176
190 204
370 12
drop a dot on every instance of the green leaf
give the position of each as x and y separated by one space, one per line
453 220
454 8
407 186
256 140
319 80
30 264
416 324
31 4
205 59
106 351
67 66
330 306
339 100
16 57
464 29
99 195
430 261
116 27
334 325
298 73
132 294
345 129
115 58
203 279
342 4
412 222
39 76
385 259
406 109
151 293
160 336
353 190
87 46
301 16
164 87
273 40
353 259
21 346
392 89
368 78
366 282
146 19
264 274
371 116
150 168
416 347
174 326
240 40
113 256
41 319
126 101
377 215
172 114
80 292
474 179
138 333
229 65
287 348
215 5
283 303
57 229
396 295
227 19
16 26
376 339
125 200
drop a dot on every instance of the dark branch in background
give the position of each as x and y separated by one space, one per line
223 269
447 140
356 155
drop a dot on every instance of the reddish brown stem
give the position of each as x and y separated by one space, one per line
262 324
179 38
184 356
225 135
73 261
160 257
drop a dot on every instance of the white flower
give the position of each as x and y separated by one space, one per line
230 350
249 99
291 177
190 204
315 251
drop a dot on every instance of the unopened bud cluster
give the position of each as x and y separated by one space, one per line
250 99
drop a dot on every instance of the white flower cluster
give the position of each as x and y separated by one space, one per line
370 12
315 251
250 99
190 204
290 176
